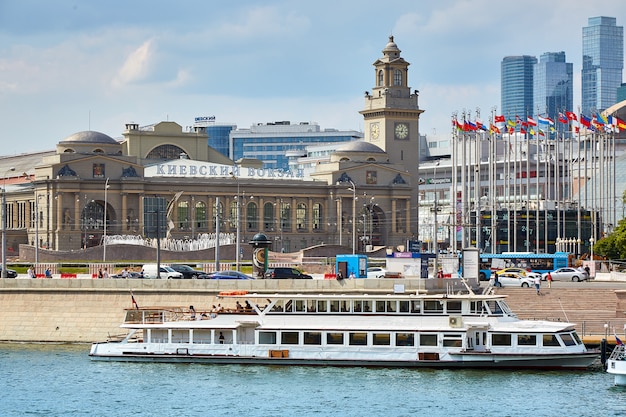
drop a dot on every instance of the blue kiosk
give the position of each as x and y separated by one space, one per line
346 265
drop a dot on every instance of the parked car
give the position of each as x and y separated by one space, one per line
523 272
514 279
286 273
187 271
150 271
228 275
567 274
10 273
131 275
376 272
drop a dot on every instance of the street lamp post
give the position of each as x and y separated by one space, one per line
35 218
436 239
4 223
104 234
237 244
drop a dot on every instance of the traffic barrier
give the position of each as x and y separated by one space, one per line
330 276
68 276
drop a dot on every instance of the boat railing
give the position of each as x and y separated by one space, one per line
153 316
618 354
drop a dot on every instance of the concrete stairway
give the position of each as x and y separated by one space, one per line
590 308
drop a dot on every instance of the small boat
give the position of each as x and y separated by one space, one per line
404 330
616 364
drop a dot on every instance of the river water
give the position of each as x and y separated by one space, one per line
60 380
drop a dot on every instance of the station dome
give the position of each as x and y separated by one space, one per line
90 137
360 146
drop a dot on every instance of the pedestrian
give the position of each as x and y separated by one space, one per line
100 275
125 273
48 273
105 273
31 272
549 279
538 283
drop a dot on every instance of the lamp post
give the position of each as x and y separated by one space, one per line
591 242
4 222
237 244
104 234
436 240
36 219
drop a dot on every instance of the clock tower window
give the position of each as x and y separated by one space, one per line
397 77
380 78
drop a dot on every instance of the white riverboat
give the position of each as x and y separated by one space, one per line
616 364
409 330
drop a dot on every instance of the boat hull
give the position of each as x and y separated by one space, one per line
579 361
618 369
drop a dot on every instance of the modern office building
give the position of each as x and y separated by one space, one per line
517 86
553 81
271 142
603 62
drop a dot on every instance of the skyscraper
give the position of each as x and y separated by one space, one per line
517 85
553 85
603 62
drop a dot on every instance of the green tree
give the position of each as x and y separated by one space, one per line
613 246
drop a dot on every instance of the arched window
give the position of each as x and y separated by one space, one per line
380 78
165 152
317 216
92 216
268 216
201 216
285 215
397 77
301 216
232 223
252 217
183 215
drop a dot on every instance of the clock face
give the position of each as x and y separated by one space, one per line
374 130
402 130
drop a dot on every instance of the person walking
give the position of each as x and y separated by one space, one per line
538 283
549 279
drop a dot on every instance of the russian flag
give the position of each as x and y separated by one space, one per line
618 341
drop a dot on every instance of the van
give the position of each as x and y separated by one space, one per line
150 271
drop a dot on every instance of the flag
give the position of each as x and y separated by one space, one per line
570 115
545 120
620 123
511 123
618 342
499 119
132 297
480 125
603 117
585 121
522 131
562 118
494 129
531 121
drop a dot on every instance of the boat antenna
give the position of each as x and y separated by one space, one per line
563 310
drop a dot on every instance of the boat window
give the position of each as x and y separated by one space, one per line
289 338
334 306
380 339
180 336
321 306
476 307
391 306
416 306
312 306
367 306
202 336
453 306
357 306
550 340
267 338
576 338
568 339
334 338
428 340
494 307
503 339
380 306
288 306
300 305
278 306
405 339
358 338
345 306
526 340
433 306
452 340
312 338
404 306
158 335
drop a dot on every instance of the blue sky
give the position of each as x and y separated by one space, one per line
68 66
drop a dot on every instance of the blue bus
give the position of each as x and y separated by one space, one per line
535 262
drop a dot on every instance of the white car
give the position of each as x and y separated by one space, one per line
567 274
513 279
376 272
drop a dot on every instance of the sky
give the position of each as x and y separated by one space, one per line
70 66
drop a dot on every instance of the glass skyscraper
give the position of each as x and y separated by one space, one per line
603 62
553 85
517 86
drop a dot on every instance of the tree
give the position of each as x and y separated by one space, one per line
613 246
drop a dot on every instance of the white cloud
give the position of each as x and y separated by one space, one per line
137 66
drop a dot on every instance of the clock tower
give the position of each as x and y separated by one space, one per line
391 119
391 112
